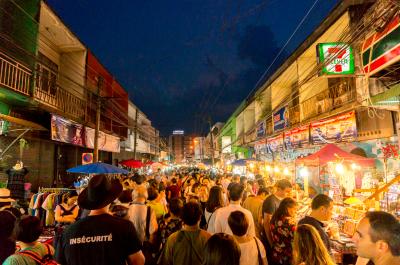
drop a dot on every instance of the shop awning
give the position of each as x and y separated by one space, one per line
332 153
390 97
22 122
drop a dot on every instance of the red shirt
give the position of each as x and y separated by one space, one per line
173 190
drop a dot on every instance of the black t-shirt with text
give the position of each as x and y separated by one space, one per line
270 204
100 239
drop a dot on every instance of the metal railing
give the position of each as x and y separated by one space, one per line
14 75
62 100
327 100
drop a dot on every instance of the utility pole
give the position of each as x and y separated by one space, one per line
98 112
135 135
212 142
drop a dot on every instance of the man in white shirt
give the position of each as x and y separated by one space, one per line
221 215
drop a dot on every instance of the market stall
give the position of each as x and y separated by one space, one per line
333 171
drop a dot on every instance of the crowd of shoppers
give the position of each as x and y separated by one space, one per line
191 219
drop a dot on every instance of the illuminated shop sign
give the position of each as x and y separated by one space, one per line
336 58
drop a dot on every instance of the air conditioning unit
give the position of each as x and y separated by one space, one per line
376 86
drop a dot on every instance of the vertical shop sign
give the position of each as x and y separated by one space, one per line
281 119
336 58
337 129
261 130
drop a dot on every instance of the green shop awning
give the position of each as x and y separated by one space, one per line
390 97
13 98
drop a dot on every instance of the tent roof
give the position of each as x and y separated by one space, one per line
332 152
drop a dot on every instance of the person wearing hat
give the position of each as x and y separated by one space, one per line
6 203
100 238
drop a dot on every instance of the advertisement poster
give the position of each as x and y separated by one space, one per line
261 129
275 144
107 142
260 146
281 119
341 128
66 131
297 138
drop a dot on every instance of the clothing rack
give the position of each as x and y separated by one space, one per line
56 190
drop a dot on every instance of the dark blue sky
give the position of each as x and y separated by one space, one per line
184 61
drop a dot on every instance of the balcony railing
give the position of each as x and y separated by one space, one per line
61 100
294 114
328 100
14 75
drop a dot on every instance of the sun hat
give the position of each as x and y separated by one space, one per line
5 195
100 192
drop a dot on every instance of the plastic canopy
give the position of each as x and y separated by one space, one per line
332 153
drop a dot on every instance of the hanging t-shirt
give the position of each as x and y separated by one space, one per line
100 239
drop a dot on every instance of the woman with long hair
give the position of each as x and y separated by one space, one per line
308 247
221 249
215 201
283 225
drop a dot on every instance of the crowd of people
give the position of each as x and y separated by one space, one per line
189 218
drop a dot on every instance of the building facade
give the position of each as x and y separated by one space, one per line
51 87
346 92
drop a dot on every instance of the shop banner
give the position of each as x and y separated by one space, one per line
281 119
260 146
341 128
275 144
297 138
106 142
261 130
66 131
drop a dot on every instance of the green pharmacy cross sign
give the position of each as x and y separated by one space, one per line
336 58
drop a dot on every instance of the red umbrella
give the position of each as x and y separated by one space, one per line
132 163
148 163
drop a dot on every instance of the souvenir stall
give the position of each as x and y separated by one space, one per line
334 171
239 167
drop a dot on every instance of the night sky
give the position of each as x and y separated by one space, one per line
187 60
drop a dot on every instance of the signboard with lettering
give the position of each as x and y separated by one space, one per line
336 58
281 119
341 128
297 138
275 144
261 129
260 146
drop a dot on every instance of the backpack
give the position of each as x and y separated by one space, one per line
45 260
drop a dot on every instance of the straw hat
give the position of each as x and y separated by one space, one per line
5 195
